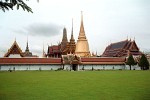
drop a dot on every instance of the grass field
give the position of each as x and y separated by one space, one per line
81 85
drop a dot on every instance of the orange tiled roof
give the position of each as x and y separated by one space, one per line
30 61
112 60
54 49
103 60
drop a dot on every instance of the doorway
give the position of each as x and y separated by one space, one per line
74 67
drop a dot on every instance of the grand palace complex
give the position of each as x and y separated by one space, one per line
71 55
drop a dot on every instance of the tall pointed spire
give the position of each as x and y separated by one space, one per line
64 41
82 46
64 35
27 47
72 44
82 32
72 38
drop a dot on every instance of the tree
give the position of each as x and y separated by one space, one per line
130 61
143 63
9 4
92 68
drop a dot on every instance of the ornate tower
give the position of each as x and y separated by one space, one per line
82 46
27 53
72 44
64 40
27 47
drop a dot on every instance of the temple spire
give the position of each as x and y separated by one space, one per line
72 38
71 46
64 35
64 41
27 47
82 46
82 32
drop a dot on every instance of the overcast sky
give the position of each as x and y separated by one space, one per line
105 22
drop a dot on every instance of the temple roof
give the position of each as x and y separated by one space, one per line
54 49
122 48
66 60
5 61
104 60
14 49
118 45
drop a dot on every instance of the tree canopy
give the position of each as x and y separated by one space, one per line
130 61
10 4
143 63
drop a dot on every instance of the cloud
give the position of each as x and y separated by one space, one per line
43 29
40 29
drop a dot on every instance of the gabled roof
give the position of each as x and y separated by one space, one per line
121 49
15 49
133 46
71 59
54 49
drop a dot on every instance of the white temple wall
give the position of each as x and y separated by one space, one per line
67 67
135 67
29 67
102 67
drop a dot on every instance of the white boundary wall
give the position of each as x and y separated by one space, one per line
67 67
102 67
29 67
135 67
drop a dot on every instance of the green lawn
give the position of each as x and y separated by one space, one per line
78 85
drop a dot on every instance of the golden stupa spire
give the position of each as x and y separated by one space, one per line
82 32
82 46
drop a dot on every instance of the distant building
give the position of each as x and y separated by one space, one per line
122 49
16 52
81 48
67 62
64 48
71 45
64 42
54 51
69 55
